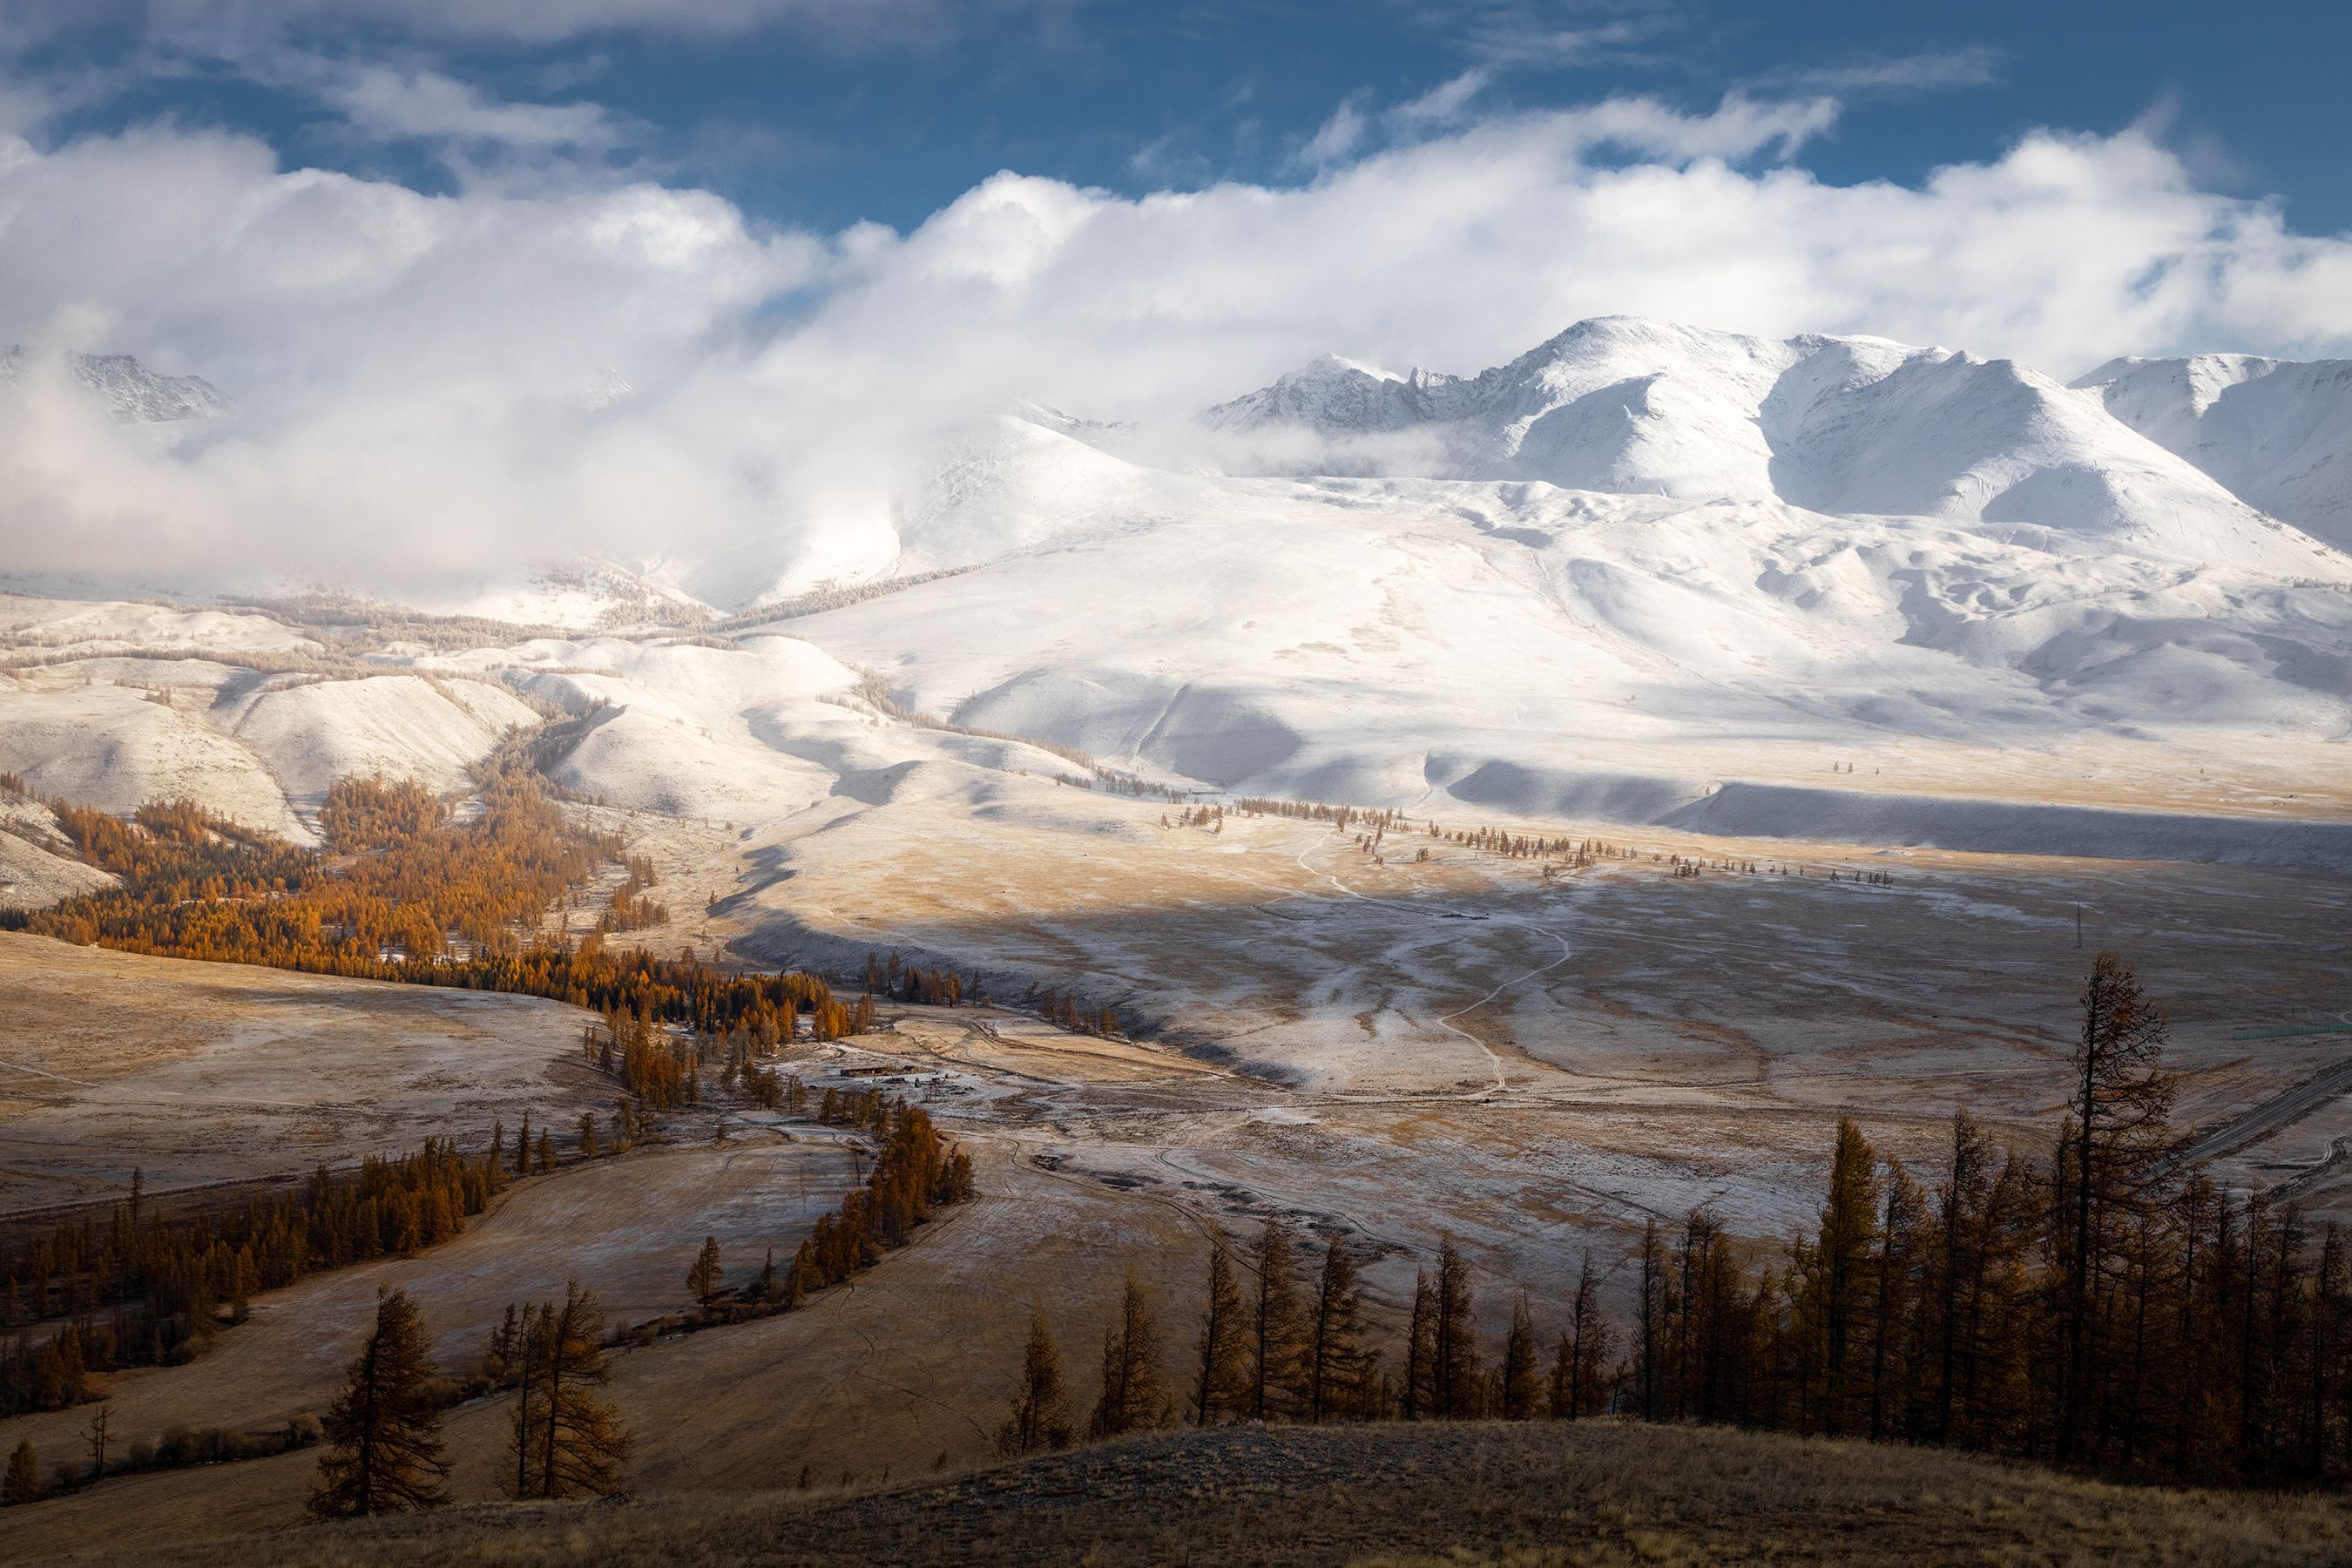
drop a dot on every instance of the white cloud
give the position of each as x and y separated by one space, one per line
1339 136
880 22
1896 76
410 365
1544 34
1442 105
382 102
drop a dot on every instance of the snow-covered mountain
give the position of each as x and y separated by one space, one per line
1644 573
1845 426
131 393
2278 433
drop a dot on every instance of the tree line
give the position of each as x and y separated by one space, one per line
1276 1340
906 982
1373 825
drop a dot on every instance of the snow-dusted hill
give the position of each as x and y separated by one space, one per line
131 393
2276 432
114 705
1841 425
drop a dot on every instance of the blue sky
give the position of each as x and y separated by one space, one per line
822 112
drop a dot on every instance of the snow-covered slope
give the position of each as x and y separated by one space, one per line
37 864
587 593
744 734
1841 425
1264 629
131 393
2276 432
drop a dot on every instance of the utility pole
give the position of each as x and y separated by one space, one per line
2078 928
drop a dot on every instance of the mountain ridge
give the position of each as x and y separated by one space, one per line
2277 433
1840 425
132 394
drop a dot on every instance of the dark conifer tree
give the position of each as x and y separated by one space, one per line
1131 1399
1276 1336
1041 1413
23 1483
567 1441
1222 1377
2109 1157
1520 1390
1454 1391
1903 1218
1420 1391
704 1278
1955 1275
98 1436
1650 1325
1337 1363
1832 1286
383 1433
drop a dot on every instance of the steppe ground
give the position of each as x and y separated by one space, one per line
1592 1494
200 1074
1367 1044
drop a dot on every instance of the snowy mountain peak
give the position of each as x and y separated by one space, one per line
1340 368
131 393
1836 425
1331 394
2278 433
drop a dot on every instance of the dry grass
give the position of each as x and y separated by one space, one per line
1599 1493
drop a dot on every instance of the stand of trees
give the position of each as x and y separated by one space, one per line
632 909
1373 825
1340 817
384 1451
932 987
1074 1014
915 1172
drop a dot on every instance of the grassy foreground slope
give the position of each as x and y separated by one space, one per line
1592 1493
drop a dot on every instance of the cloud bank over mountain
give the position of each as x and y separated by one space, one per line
436 390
